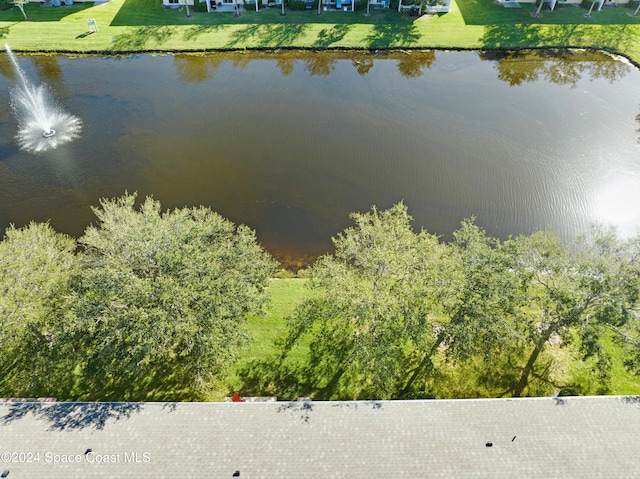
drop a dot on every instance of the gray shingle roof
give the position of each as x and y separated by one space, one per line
573 437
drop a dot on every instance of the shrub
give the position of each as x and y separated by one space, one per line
360 5
199 6
304 273
296 5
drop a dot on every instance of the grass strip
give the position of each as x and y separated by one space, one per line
129 26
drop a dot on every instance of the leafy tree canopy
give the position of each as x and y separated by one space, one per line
165 297
36 270
391 307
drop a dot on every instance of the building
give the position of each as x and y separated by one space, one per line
576 437
552 4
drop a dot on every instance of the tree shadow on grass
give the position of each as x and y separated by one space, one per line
61 416
271 377
385 36
612 37
329 36
264 36
137 40
196 30
4 31
504 36
487 12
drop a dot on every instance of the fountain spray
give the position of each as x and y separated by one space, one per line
42 125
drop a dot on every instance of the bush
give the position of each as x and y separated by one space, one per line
199 6
296 5
304 273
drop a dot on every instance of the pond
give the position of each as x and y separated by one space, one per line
291 143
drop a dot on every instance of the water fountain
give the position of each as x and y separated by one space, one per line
41 124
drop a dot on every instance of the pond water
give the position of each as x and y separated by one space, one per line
291 143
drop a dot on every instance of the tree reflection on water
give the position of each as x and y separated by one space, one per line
559 66
319 64
196 68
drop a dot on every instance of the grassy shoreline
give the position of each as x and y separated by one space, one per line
136 26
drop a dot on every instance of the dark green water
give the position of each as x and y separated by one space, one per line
290 144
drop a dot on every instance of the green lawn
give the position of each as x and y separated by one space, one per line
264 332
144 25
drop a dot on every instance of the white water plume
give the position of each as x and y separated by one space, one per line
42 125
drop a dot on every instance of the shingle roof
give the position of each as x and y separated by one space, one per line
576 437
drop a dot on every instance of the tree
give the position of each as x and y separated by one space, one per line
37 266
164 298
20 4
589 288
389 301
370 306
480 299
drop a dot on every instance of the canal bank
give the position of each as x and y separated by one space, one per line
130 26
